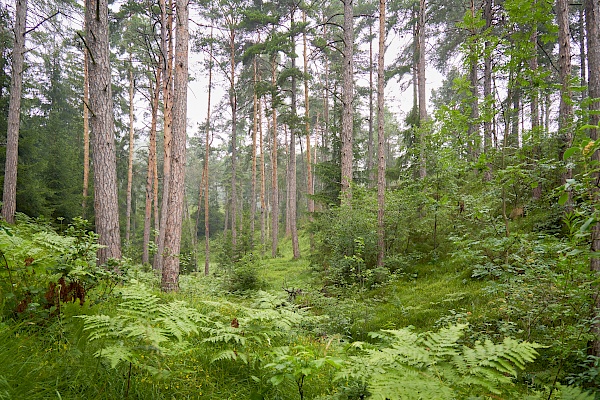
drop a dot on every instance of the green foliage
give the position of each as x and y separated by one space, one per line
436 365
298 363
143 330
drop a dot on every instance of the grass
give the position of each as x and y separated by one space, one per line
53 359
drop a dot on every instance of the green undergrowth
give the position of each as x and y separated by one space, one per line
428 328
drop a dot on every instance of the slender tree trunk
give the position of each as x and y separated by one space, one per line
309 178
170 271
347 132
263 204
487 76
293 195
592 19
155 94
370 147
274 183
473 131
565 113
254 161
233 104
381 138
9 196
86 133
131 148
421 88
106 203
534 109
582 59
167 49
206 161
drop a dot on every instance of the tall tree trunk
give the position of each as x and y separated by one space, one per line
167 49
582 60
421 88
9 196
370 155
206 161
233 105
381 138
254 161
565 113
347 133
274 183
155 94
309 178
170 271
263 204
106 205
487 76
131 148
534 109
473 131
292 195
86 133
592 18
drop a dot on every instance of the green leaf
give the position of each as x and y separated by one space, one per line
562 200
587 224
569 152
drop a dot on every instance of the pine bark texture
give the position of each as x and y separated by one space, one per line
86 134
106 204
9 196
347 133
421 87
292 194
206 166
381 137
167 50
170 271
274 183
592 19
154 93
233 105
130 158
487 75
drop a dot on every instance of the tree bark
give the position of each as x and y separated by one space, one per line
274 183
155 94
421 88
292 195
592 18
370 151
487 75
131 148
86 134
347 133
106 205
254 161
263 204
170 271
167 49
309 178
381 138
206 166
564 67
233 105
9 196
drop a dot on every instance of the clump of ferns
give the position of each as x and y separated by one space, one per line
247 333
142 332
436 365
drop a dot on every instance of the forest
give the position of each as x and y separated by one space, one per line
329 200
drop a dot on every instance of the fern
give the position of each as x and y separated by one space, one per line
243 333
144 327
434 365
